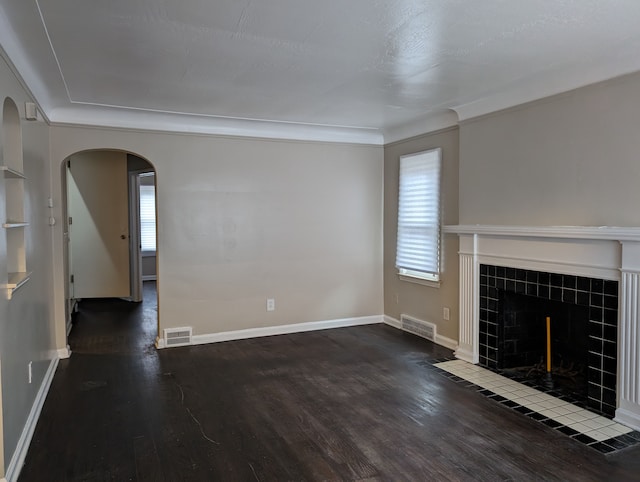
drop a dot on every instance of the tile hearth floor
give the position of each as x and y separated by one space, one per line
594 430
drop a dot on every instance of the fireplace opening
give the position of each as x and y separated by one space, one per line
584 313
522 342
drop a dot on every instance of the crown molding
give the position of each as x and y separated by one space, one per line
435 121
138 119
549 84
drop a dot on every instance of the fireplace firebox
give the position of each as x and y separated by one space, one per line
514 304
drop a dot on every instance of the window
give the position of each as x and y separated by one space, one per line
418 247
147 215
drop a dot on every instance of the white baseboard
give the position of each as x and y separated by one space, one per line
284 329
388 320
628 418
446 342
150 277
302 327
440 340
15 465
464 354
63 353
278 330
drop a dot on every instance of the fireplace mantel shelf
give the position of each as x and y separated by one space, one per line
610 233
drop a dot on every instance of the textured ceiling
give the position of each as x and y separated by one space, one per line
359 70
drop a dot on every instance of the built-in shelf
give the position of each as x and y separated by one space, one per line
11 173
13 193
14 224
15 281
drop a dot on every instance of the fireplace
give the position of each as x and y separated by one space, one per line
583 312
609 257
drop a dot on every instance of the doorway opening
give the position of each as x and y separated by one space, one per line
109 200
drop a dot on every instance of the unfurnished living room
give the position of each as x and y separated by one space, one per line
294 240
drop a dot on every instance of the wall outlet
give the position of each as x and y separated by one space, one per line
30 372
446 313
271 304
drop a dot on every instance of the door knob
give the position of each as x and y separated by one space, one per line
123 236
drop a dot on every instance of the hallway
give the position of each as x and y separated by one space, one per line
101 398
362 403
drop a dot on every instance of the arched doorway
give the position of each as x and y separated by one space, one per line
102 228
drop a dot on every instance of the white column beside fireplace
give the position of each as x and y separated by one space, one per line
596 252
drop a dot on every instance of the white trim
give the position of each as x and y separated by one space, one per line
432 122
388 320
419 281
299 328
15 465
64 353
149 277
449 343
285 329
119 117
561 82
465 354
629 418
440 340
611 233
277 330
577 269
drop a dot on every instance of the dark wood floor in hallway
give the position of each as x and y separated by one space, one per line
344 404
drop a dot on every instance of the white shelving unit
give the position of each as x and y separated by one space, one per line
14 224
11 173
16 280
12 188
17 274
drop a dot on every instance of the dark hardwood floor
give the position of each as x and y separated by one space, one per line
345 404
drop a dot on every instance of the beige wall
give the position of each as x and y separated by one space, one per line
241 220
149 266
403 297
568 160
26 328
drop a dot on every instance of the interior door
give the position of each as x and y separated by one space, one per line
98 209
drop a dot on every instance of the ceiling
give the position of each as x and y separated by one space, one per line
369 71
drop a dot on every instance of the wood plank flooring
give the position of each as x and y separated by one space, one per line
345 404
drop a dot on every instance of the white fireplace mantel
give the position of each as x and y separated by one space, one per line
611 233
604 252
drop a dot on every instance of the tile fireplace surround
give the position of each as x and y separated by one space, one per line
607 253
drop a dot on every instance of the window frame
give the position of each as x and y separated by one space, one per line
151 187
406 273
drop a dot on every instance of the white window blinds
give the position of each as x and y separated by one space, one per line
418 247
148 218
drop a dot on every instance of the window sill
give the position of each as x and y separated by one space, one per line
420 281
